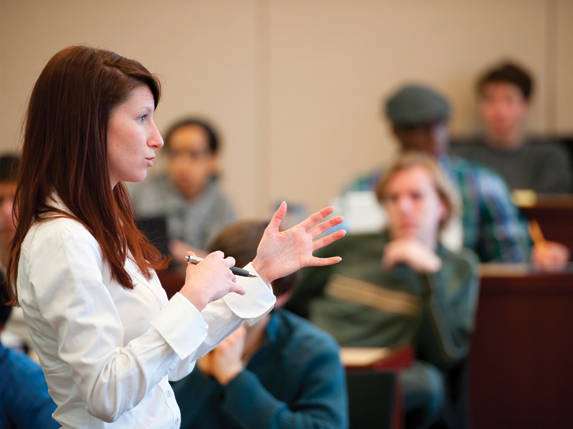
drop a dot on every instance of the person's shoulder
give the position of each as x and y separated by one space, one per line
219 196
467 147
462 263
545 148
477 171
19 365
302 337
56 231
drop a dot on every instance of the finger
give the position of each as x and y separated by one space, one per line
315 218
189 270
277 218
325 241
215 255
189 253
323 262
229 262
237 288
324 226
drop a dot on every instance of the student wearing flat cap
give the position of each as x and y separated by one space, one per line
492 225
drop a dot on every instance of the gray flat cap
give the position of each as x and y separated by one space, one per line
417 105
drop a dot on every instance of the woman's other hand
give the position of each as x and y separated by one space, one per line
210 280
281 253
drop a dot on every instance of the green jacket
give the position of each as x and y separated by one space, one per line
363 305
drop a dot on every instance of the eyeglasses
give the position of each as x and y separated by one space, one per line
191 155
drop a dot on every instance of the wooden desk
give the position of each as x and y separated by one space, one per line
374 392
521 356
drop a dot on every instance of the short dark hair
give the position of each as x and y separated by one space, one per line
240 240
9 168
212 135
508 72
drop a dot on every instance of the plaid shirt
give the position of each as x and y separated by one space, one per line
493 226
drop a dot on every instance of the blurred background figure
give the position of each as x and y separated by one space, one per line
280 373
504 95
492 224
187 196
8 181
402 287
15 334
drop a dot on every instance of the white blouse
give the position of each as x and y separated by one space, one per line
108 352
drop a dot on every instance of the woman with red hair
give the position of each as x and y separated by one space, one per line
106 335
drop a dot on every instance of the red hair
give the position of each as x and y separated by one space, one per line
65 150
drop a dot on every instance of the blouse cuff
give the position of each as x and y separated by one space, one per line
181 325
256 303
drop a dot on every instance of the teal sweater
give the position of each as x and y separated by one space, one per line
363 305
294 381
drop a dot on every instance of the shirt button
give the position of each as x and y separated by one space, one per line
169 393
177 422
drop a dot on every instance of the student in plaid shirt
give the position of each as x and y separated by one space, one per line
492 224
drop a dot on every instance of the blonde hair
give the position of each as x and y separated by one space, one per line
444 187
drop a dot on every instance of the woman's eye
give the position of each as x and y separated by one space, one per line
142 118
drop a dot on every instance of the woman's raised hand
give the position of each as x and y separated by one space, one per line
282 253
210 280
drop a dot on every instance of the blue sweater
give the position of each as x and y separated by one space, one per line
24 399
295 380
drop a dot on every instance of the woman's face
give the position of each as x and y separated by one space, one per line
132 137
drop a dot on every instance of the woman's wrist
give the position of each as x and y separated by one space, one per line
198 301
259 268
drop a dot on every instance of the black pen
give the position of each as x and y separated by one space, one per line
236 271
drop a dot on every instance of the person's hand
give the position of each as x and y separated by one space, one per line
177 248
550 256
209 280
412 253
282 253
226 360
205 364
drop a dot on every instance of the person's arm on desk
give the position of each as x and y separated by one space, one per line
252 406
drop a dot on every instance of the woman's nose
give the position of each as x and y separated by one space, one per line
155 141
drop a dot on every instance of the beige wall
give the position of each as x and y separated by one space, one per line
296 85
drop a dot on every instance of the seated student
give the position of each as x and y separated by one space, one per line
24 399
280 373
188 196
504 94
492 226
401 287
